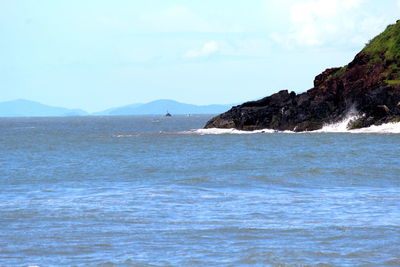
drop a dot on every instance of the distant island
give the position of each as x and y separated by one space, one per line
26 108
368 87
160 107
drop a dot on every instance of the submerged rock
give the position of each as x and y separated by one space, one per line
369 85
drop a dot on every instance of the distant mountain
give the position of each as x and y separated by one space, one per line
162 106
111 110
26 108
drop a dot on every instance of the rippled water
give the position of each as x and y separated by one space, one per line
147 191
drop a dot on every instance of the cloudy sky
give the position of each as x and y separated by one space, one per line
97 54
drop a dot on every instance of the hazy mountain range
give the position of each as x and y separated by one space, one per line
26 108
164 105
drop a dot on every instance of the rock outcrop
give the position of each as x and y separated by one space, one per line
368 86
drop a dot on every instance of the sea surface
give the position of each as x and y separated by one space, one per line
154 191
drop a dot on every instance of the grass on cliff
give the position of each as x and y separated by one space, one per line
392 82
341 71
383 49
386 44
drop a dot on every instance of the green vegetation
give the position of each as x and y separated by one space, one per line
392 82
395 119
384 50
386 45
384 56
339 72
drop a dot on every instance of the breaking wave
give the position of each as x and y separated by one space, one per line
393 128
214 131
338 127
342 127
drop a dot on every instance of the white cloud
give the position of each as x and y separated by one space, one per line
309 11
208 49
177 18
322 22
398 3
312 20
352 3
238 49
253 47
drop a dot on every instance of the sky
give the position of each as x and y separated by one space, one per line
98 54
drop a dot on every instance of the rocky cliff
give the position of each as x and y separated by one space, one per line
369 86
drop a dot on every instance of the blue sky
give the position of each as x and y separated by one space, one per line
97 54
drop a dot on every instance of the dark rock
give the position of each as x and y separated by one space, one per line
370 84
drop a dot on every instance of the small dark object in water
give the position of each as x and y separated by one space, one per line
168 114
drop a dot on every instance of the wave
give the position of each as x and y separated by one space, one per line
125 135
342 127
389 128
338 127
214 131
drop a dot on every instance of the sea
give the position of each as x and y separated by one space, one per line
161 191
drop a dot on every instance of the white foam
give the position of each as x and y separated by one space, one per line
387 128
338 127
125 135
342 127
214 131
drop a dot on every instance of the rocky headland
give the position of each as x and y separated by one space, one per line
368 87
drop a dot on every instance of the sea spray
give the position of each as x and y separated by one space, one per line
337 127
216 131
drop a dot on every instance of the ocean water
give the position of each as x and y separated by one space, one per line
153 191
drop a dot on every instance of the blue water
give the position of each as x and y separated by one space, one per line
143 191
